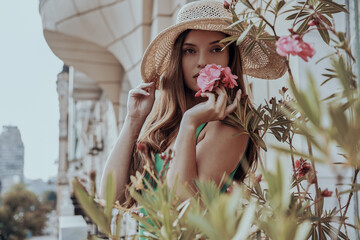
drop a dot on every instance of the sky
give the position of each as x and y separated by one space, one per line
28 97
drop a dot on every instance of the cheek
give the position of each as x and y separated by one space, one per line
225 59
186 65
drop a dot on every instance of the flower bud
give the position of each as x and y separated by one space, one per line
292 31
244 96
140 146
258 178
326 193
93 176
312 23
226 5
272 100
163 156
229 189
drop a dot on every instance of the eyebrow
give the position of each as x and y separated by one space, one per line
190 44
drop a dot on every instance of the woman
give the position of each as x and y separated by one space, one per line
191 126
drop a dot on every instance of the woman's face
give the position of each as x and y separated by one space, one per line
199 49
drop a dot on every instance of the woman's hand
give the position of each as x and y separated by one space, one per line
140 102
212 109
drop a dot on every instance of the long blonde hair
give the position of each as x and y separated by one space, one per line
163 122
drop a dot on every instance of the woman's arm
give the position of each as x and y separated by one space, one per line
118 161
217 153
139 105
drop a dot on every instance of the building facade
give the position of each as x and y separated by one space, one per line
11 157
101 43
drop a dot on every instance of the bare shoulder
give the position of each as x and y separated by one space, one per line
220 143
218 130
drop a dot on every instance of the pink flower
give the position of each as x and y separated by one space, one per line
295 46
302 167
210 75
228 79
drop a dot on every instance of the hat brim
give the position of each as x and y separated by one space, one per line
256 64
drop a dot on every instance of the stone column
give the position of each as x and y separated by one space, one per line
63 92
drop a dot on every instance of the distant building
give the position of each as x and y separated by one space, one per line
11 157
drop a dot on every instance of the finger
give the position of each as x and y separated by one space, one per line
152 89
238 95
229 109
239 92
222 88
210 96
232 107
222 98
145 85
137 92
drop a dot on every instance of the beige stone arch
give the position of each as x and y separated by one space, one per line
105 39
96 62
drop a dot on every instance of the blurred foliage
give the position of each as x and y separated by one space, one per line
21 212
100 211
49 198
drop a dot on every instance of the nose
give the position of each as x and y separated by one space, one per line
202 61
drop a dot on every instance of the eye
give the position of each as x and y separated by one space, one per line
216 49
188 51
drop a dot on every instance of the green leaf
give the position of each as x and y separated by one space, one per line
247 4
244 34
203 225
279 5
296 153
326 57
324 33
239 22
110 195
91 208
267 38
335 5
228 39
260 143
249 48
293 16
245 224
303 230
235 18
304 26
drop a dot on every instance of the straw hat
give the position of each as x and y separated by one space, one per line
208 15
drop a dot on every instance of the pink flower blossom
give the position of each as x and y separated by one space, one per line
302 167
228 79
295 46
209 78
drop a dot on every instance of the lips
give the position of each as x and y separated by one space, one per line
196 75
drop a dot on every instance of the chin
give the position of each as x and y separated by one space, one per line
192 90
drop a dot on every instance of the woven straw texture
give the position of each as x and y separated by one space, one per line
212 16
